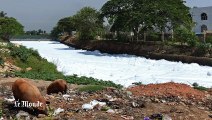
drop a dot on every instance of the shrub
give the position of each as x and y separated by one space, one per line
91 88
90 81
208 39
20 52
184 35
123 37
202 49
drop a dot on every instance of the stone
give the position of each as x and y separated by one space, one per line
110 111
166 117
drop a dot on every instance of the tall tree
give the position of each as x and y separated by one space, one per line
87 23
136 15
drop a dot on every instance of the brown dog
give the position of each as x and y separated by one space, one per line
28 94
57 86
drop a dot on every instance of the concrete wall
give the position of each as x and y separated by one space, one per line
196 15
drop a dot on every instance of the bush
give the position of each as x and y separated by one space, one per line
91 88
123 37
90 81
20 52
184 35
208 39
202 49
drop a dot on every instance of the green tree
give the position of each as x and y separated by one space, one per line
9 27
137 15
64 25
87 23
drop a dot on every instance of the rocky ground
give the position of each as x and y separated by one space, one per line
168 101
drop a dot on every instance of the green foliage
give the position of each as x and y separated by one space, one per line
196 86
39 75
203 48
90 81
123 37
20 52
86 23
131 15
208 39
91 88
9 27
185 35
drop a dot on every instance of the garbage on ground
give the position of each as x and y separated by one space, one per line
92 104
58 111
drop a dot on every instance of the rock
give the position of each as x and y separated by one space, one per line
58 111
166 117
110 111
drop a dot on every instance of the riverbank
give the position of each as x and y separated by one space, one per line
150 50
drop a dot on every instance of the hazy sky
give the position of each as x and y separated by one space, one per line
44 14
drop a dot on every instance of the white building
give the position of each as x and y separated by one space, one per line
202 16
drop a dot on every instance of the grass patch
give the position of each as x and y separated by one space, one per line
91 88
201 88
90 81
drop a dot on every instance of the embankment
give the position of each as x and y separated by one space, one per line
149 50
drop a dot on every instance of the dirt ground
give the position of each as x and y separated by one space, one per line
170 100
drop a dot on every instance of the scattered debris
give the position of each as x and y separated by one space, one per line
58 111
92 104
